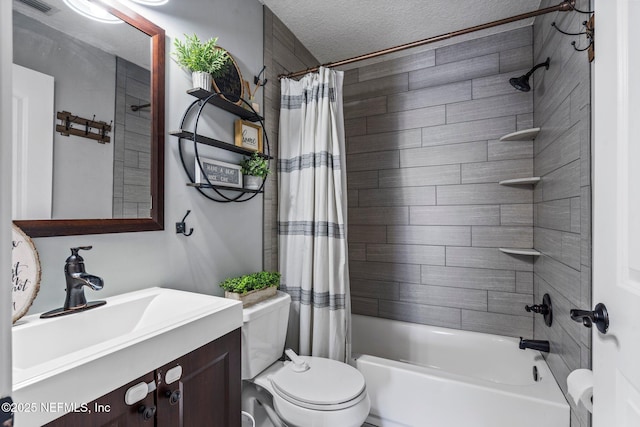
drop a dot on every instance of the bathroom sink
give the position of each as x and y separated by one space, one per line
80 357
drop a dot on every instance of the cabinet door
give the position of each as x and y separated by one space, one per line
209 389
111 410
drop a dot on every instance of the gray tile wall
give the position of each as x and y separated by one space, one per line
132 143
562 209
283 53
426 213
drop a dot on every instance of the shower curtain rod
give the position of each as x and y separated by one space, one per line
565 6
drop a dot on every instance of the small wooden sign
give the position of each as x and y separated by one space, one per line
248 135
218 173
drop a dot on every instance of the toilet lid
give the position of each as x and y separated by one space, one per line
326 382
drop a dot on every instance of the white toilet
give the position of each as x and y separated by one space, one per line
315 392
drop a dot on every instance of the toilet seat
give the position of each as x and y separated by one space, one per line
327 385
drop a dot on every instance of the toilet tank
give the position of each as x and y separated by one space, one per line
264 330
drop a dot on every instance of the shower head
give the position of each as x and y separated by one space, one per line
522 83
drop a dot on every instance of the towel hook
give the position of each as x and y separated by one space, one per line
181 226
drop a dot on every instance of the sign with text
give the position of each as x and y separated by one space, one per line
218 173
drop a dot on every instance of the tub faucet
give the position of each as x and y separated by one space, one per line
539 345
77 278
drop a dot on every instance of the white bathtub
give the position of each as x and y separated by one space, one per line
425 376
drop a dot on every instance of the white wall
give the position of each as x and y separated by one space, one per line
5 197
227 238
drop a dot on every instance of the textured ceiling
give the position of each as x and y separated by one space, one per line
338 29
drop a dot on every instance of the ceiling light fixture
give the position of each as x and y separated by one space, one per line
92 11
151 2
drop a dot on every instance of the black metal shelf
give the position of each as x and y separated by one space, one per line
222 187
181 133
224 104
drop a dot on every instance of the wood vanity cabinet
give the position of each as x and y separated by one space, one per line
207 394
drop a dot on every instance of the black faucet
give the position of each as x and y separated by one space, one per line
539 345
77 278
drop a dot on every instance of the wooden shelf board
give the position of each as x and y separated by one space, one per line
223 187
522 135
225 105
181 133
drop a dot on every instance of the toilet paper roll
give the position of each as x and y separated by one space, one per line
580 385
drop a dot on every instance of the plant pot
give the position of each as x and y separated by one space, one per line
201 79
252 297
252 182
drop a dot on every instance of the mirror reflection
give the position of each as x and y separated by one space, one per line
96 72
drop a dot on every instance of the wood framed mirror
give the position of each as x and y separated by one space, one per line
152 216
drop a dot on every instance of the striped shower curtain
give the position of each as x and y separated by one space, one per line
312 215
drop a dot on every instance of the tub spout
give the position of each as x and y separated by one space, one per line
539 345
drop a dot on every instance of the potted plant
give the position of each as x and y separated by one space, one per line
251 288
203 59
254 170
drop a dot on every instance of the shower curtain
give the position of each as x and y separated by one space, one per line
312 228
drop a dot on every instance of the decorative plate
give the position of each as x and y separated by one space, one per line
229 83
25 272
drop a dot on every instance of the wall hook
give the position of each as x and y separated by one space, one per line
181 226
588 32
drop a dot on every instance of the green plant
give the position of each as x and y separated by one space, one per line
255 165
251 282
200 56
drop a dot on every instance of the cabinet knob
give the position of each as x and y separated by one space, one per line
174 396
147 412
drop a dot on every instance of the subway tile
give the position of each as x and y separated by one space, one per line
404 196
477 130
377 87
455 215
524 121
303 53
138 89
510 150
355 127
484 45
285 56
497 323
502 237
486 258
482 194
509 303
410 119
366 233
406 254
135 176
486 108
137 142
365 107
555 215
403 64
555 126
430 96
467 152
494 85
420 176
429 235
563 151
379 216
585 225
471 278
351 76
374 289
521 214
524 282
471 299
281 32
516 59
410 138
364 306
564 278
416 313
384 271
357 251
495 171
373 161
136 194
454 72
365 179
562 183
